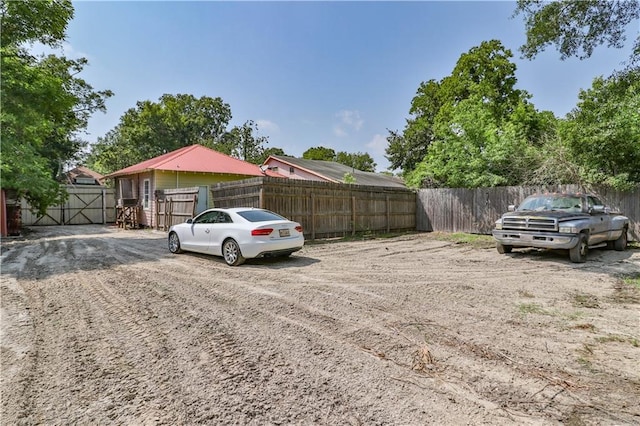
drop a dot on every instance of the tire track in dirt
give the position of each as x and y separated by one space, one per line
398 331
482 353
377 342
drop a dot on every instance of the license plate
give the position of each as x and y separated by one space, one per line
284 232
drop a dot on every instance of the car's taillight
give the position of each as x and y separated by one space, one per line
299 229
261 231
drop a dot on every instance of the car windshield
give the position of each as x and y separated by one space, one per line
260 215
551 202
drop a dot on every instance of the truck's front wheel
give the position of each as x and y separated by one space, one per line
578 254
502 249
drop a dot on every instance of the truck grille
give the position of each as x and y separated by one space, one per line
530 223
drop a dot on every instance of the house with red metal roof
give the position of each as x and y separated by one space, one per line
190 166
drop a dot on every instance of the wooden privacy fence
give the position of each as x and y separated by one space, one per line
174 206
88 204
476 210
324 209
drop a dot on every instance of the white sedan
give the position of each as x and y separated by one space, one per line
237 234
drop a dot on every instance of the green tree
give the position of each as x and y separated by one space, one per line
319 153
485 73
576 28
407 149
44 104
475 149
244 143
154 128
603 131
359 161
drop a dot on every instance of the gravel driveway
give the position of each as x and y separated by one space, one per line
105 326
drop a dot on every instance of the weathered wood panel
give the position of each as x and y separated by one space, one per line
85 205
324 209
173 206
475 210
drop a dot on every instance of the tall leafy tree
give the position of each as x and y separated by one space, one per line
407 149
485 73
44 103
603 131
475 149
577 27
359 161
245 144
154 128
319 153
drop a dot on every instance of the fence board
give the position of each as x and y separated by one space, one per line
85 205
324 209
174 206
475 210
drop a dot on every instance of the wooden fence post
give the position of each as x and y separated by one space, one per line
353 215
313 217
388 214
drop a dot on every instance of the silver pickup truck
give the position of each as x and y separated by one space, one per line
561 221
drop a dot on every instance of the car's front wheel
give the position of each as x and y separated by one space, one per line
174 243
578 254
502 249
231 253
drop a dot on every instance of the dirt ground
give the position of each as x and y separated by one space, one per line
105 326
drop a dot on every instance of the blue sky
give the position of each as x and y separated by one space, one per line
333 74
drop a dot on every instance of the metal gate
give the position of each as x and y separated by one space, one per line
86 205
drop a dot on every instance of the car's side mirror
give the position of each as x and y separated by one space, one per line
190 220
512 207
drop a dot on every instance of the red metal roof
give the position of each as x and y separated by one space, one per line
195 158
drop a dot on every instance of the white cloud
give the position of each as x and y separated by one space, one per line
377 149
350 120
267 126
339 131
378 144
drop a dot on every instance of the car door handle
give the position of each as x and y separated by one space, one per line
207 230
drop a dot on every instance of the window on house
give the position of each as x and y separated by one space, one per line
146 193
291 170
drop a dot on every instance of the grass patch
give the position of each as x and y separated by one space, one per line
359 236
473 240
633 281
633 245
585 363
533 308
574 315
584 300
627 289
618 338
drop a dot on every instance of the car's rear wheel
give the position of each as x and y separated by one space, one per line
174 243
231 253
621 243
578 254
502 249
